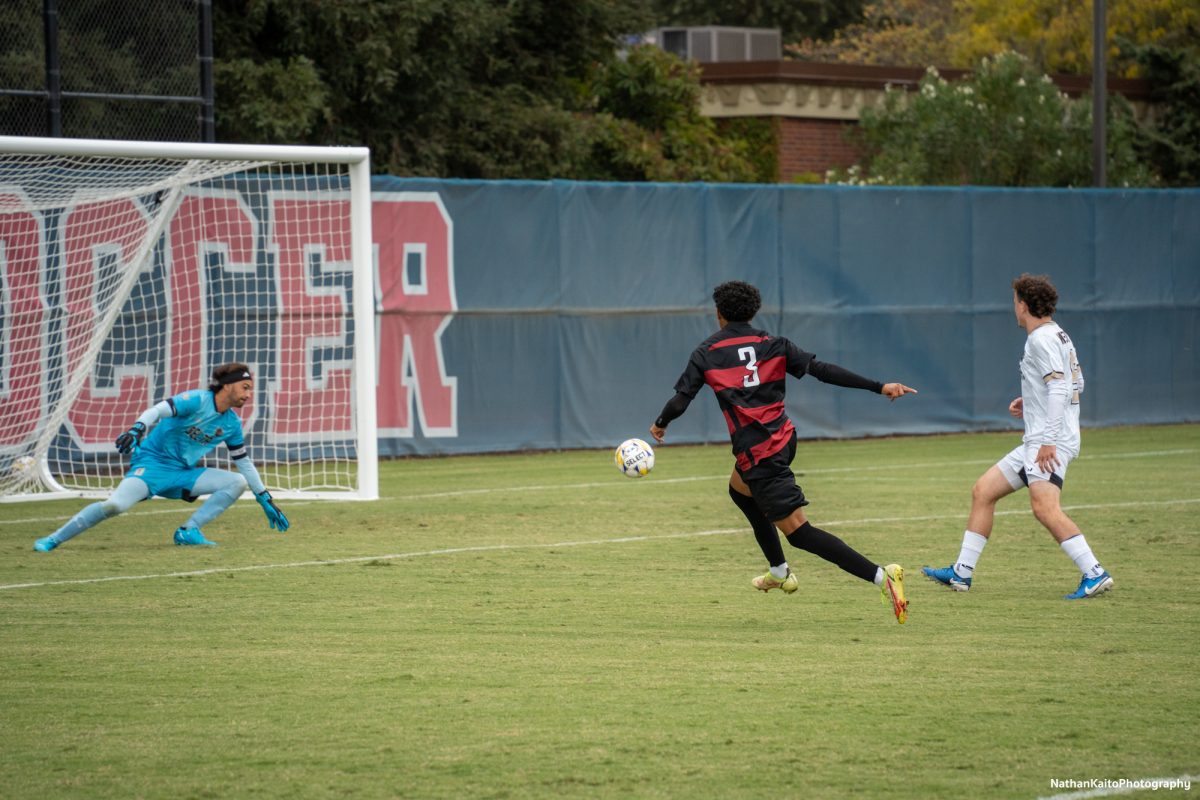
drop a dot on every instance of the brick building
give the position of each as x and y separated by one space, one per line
813 105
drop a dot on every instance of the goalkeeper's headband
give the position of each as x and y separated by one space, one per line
234 377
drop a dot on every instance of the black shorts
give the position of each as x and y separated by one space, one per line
773 484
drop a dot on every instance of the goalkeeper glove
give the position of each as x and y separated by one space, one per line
274 515
129 441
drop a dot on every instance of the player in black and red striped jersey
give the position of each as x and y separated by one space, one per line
747 369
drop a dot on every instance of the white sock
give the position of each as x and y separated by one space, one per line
879 576
780 572
1077 550
968 557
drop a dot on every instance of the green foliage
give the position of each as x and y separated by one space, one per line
761 138
22 58
279 101
1056 36
889 32
648 126
1172 142
109 47
1004 125
796 19
471 89
807 178
649 87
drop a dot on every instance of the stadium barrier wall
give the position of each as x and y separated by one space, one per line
544 315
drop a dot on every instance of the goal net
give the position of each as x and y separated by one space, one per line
129 270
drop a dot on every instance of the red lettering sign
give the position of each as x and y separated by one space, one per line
100 236
212 222
415 301
311 400
22 332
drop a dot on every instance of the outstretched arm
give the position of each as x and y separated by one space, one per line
241 460
839 376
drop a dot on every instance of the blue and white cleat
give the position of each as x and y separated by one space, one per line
1090 587
45 545
192 536
946 576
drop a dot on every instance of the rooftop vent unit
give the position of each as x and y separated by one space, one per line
715 43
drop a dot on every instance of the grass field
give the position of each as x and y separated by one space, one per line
539 626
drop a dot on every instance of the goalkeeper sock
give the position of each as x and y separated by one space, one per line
834 550
968 557
79 523
225 488
764 531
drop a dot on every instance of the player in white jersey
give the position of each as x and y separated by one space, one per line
182 430
1051 382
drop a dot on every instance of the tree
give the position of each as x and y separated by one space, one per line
890 33
1171 142
104 47
1055 36
459 88
648 126
1006 124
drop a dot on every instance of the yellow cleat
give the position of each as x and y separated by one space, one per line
892 590
767 582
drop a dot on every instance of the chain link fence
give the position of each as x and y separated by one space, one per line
116 69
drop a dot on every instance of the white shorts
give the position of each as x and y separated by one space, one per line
1021 469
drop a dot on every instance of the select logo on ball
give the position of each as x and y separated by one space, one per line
634 458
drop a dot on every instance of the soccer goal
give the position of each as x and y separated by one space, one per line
128 270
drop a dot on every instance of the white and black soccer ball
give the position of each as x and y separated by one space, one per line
634 458
22 466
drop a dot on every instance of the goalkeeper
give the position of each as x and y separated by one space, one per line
182 430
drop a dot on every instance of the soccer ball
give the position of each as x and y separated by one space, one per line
22 466
634 458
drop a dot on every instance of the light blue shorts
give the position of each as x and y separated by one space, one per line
166 481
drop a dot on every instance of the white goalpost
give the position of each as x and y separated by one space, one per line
129 270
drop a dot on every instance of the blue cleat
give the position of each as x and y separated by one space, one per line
1090 587
45 545
946 576
192 536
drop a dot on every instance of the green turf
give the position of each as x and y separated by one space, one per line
594 636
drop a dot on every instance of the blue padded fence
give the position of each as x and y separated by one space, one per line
574 306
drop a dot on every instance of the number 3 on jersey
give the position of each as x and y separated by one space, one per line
748 355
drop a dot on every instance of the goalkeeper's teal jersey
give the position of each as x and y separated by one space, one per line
195 430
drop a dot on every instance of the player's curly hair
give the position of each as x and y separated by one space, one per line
1038 293
737 301
229 373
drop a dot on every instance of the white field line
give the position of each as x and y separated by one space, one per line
1127 786
576 543
174 509
801 471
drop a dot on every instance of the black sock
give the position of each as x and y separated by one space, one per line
764 531
833 550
